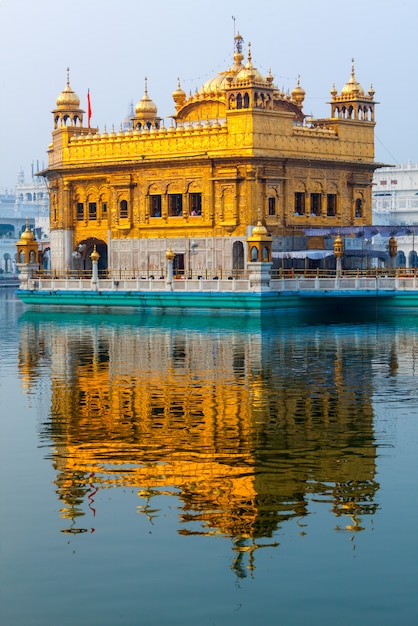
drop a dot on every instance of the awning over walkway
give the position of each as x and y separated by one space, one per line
303 254
363 231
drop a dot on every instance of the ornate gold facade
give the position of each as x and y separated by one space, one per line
238 150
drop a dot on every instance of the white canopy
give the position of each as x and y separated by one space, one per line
303 254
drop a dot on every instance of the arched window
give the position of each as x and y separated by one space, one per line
265 254
413 259
32 256
359 207
246 101
254 254
239 101
123 209
400 259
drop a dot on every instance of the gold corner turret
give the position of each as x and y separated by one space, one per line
27 254
146 113
68 111
259 244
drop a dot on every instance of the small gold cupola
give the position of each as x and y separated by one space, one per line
146 112
352 87
179 96
67 111
259 244
298 94
352 103
27 247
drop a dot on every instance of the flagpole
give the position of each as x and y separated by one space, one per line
88 108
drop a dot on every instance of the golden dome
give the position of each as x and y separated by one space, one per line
259 230
146 107
216 84
179 96
27 235
68 98
352 88
249 72
298 94
223 79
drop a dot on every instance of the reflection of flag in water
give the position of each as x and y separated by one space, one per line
88 108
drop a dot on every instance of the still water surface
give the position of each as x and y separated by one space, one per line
207 471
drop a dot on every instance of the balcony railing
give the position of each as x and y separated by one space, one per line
295 281
224 274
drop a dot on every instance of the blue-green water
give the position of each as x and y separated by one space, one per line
207 471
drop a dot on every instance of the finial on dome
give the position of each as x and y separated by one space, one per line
68 99
238 42
249 51
269 77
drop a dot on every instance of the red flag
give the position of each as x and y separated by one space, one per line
88 108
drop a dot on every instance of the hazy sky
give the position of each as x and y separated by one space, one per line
111 45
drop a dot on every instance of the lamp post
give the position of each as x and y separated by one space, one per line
95 256
393 250
338 252
169 255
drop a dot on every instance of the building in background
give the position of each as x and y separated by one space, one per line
28 202
395 207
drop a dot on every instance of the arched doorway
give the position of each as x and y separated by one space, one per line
178 265
7 263
85 248
238 255
46 259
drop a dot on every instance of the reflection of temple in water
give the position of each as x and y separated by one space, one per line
249 427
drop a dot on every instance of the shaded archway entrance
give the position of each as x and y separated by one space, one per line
178 265
84 250
238 255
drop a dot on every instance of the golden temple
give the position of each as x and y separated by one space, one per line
237 151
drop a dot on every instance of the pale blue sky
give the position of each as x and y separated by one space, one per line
110 46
